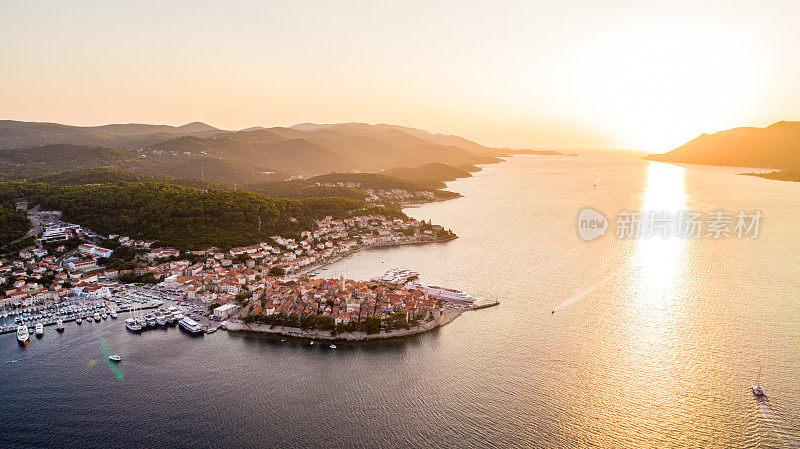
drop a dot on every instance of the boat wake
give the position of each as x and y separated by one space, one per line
581 294
773 420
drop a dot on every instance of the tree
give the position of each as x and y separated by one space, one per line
276 271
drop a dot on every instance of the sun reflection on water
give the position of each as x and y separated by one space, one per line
657 259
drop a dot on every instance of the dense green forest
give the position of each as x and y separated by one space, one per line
296 188
13 224
179 216
432 173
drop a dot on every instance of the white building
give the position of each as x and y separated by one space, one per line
225 311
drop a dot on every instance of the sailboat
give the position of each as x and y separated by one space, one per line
59 320
758 391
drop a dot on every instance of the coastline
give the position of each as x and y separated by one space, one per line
338 257
448 317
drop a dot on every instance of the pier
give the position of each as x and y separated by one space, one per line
485 305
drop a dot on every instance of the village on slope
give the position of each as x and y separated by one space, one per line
262 287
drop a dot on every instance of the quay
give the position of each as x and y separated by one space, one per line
485 305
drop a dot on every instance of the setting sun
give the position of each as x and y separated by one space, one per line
576 74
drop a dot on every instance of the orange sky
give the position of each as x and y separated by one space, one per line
569 74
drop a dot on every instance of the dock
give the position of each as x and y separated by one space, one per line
485 305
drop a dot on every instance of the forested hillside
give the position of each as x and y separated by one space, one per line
179 216
13 224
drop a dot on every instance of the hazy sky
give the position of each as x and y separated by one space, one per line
580 73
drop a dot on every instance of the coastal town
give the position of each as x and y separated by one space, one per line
266 287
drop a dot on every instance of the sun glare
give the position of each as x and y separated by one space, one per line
660 88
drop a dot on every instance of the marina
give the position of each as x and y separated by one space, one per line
77 310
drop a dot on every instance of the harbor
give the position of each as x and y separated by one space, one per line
150 307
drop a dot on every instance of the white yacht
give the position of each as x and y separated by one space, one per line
39 329
78 320
133 325
191 326
60 325
22 333
113 314
96 317
161 320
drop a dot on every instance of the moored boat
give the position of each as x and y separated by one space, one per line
133 325
22 333
191 326
39 329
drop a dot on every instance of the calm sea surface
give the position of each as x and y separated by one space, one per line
654 343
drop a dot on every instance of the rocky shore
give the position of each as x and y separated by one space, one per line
278 331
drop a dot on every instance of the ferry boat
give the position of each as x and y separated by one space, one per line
132 325
437 292
39 329
191 326
22 333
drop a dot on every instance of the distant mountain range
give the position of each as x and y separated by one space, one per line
257 154
776 146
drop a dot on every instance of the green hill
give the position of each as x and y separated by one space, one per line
179 216
13 224
430 172
303 150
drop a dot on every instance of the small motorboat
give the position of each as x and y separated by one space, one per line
60 325
78 320
39 329
211 330
115 358
758 391
113 314
312 343
332 346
